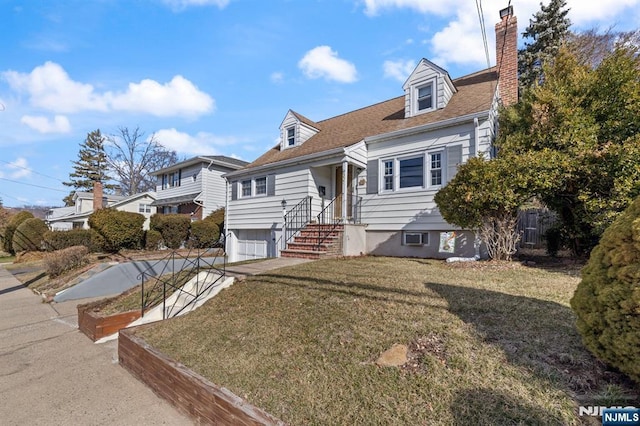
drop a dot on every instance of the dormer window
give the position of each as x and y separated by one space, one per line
425 97
291 136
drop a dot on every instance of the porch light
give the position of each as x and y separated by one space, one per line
283 203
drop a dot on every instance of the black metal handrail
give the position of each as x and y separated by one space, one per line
331 217
296 219
183 269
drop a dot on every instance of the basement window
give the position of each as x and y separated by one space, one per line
415 238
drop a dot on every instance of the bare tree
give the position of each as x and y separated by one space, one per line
132 159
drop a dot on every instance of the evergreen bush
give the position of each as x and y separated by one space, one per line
174 228
152 239
14 222
58 240
120 230
204 234
607 300
29 235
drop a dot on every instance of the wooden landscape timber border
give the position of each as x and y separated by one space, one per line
189 392
97 326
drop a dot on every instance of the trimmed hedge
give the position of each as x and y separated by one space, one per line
58 240
120 230
14 222
607 300
174 228
152 239
61 261
29 235
204 234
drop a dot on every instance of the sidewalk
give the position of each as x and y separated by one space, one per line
51 374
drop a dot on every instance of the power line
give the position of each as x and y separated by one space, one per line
31 170
31 184
483 30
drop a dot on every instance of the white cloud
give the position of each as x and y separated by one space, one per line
276 77
460 41
178 97
179 5
19 168
322 61
399 70
374 7
59 124
50 87
202 143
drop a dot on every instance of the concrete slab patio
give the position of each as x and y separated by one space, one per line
51 374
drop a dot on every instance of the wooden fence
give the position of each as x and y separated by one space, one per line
532 225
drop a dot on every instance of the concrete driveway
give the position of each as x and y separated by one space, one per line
51 374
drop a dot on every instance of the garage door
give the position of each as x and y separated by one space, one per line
253 244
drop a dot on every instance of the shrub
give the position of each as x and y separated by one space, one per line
217 217
29 235
607 300
152 239
61 261
204 234
58 240
174 228
14 222
120 230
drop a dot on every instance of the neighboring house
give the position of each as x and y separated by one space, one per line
194 187
370 175
77 216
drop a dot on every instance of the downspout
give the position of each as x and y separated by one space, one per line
476 136
226 213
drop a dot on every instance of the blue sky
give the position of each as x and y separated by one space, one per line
218 76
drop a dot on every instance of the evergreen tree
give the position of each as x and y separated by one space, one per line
547 30
91 166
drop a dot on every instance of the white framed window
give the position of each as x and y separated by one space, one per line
261 185
388 176
411 172
425 97
246 188
144 208
415 238
435 169
291 136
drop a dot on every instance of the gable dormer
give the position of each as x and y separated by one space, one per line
428 88
296 130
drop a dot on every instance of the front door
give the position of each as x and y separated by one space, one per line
339 189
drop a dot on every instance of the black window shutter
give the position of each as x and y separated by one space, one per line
271 185
372 177
234 190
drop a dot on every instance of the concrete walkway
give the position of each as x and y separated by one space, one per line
259 267
51 374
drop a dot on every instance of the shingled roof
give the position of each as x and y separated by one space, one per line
475 94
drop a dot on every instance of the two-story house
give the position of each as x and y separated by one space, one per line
194 187
365 180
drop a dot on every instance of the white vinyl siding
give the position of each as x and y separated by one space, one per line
425 74
411 209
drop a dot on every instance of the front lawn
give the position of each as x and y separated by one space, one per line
489 344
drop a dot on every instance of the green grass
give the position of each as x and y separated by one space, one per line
489 344
7 259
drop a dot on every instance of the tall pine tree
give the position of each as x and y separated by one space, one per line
91 166
547 31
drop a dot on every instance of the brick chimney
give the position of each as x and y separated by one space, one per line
507 56
97 195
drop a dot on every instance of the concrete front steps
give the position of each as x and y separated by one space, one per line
305 245
182 299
